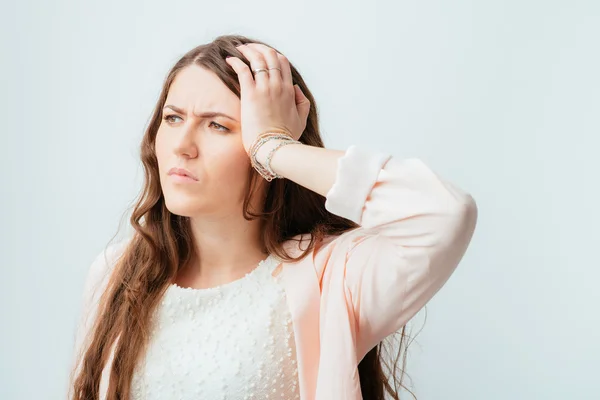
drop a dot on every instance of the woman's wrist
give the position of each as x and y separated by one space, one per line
263 150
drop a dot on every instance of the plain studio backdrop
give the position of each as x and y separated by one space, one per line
501 98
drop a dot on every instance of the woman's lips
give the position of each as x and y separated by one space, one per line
182 175
182 178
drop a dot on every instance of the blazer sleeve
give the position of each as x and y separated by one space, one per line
414 229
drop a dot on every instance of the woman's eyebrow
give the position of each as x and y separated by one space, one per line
206 114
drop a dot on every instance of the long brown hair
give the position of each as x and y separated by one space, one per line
162 243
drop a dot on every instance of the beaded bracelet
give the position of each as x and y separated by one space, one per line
268 162
266 171
265 135
254 150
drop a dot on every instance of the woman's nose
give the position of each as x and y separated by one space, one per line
186 142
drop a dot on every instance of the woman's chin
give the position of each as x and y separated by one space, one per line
184 208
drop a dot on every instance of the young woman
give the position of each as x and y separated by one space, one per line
262 264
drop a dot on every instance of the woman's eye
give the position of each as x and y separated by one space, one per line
168 117
220 126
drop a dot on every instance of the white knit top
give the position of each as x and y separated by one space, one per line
233 341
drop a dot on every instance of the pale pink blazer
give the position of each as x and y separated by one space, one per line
355 289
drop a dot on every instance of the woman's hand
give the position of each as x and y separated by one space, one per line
269 100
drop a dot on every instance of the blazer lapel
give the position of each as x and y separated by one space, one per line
301 286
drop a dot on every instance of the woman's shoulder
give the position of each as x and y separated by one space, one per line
95 283
322 248
102 266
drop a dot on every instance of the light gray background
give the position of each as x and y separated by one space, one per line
499 97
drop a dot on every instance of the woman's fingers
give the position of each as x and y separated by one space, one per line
257 61
271 59
243 72
269 99
286 71
302 105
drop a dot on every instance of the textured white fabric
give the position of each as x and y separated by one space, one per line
234 341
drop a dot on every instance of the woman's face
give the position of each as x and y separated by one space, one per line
210 147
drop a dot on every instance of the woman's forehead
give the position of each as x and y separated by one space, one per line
198 90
